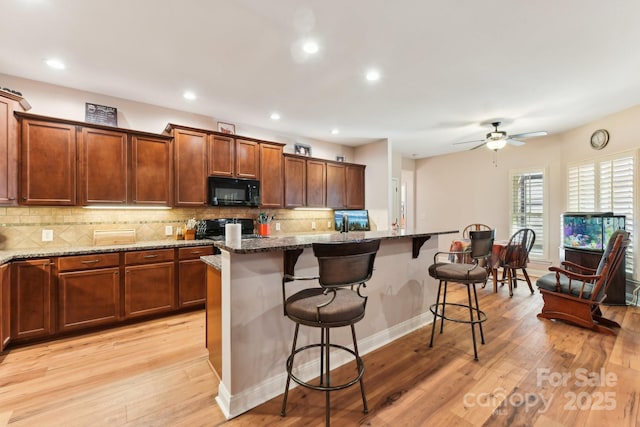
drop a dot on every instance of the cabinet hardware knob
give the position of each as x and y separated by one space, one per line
24 198
12 198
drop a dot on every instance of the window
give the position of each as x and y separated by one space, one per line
605 185
528 207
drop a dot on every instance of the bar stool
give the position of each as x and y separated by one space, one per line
344 268
465 274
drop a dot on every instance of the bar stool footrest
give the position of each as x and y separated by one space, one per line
481 315
356 379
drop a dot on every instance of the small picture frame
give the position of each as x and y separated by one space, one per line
340 158
302 150
226 128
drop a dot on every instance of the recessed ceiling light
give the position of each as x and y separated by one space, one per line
373 75
189 95
335 131
275 116
55 63
311 47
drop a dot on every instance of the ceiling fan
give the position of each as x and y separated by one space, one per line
497 139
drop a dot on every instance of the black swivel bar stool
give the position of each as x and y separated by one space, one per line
344 267
465 274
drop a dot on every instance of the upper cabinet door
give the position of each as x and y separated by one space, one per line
48 163
316 183
151 160
355 186
247 159
8 152
221 155
103 167
190 168
271 176
336 182
295 182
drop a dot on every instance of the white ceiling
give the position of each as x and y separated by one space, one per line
447 65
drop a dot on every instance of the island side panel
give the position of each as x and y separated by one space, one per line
256 336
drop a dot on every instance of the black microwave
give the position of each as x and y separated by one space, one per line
233 192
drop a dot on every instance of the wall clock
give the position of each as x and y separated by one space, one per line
599 139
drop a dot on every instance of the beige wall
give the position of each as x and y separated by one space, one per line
458 189
376 156
67 103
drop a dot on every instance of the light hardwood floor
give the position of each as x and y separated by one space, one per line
156 374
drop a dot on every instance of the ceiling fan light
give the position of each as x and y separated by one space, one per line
496 144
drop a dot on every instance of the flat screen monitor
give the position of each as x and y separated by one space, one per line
358 219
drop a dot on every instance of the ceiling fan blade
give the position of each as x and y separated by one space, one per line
529 134
478 146
515 142
468 142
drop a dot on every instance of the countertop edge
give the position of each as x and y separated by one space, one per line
23 254
286 243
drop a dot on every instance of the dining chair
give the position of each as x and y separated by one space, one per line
516 257
343 270
474 227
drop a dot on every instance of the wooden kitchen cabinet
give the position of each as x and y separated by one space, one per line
31 300
247 159
214 319
88 291
271 175
233 157
149 282
5 305
9 148
354 186
190 167
221 155
316 183
336 185
47 163
192 275
151 164
103 167
295 179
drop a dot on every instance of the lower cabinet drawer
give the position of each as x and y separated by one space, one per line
86 262
146 257
194 252
88 298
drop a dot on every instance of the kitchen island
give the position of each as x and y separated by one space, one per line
248 336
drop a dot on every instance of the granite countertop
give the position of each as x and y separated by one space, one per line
15 254
214 261
267 244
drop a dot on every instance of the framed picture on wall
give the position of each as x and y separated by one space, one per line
226 128
302 150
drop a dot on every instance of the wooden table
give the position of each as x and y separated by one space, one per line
496 259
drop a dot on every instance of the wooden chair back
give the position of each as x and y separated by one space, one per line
474 227
519 247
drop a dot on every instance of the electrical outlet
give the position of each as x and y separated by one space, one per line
328 224
277 226
47 235
313 225
168 230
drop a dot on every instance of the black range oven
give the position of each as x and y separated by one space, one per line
213 229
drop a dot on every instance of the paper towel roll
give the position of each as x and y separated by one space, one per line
233 234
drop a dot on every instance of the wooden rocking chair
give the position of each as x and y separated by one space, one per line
574 293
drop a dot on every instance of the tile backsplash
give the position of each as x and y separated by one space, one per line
21 227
